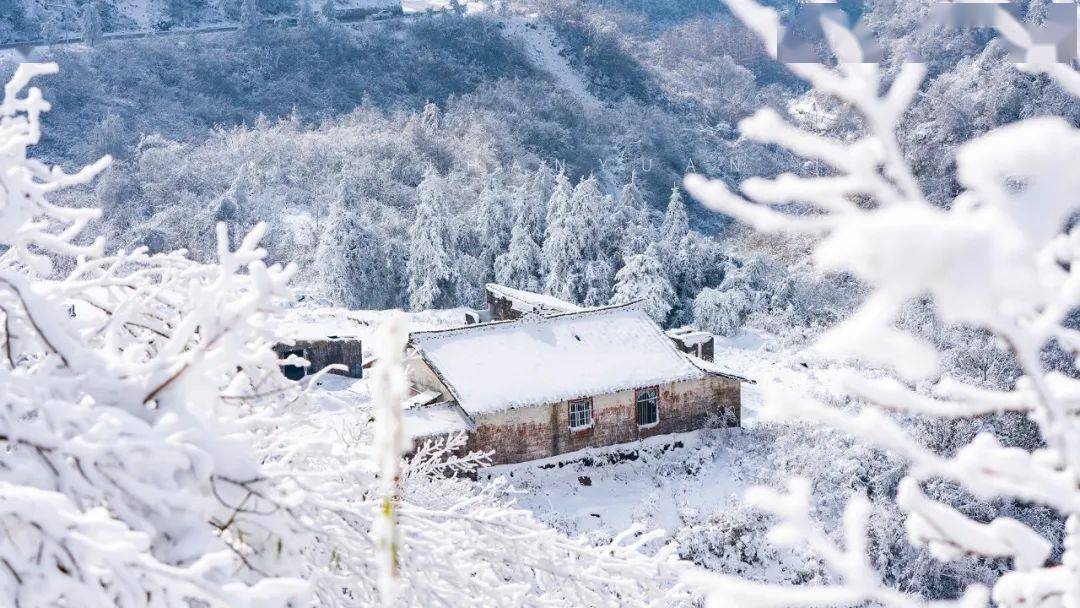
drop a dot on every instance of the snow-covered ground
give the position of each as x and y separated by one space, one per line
666 482
676 481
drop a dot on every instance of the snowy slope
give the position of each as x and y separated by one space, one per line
541 46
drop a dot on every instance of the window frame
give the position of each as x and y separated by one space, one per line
587 402
640 399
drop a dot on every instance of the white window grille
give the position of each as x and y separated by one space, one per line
581 414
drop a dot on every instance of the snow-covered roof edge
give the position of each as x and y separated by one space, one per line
528 319
715 370
532 300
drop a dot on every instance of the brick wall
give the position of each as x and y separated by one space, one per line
542 431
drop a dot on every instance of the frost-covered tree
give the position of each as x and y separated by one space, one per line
494 220
721 312
643 278
598 283
559 202
538 190
1000 258
329 11
429 268
676 223
355 259
306 16
519 267
531 202
120 457
250 13
90 22
630 220
568 241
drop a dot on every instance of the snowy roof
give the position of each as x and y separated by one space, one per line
438 419
544 359
321 324
689 336
527 301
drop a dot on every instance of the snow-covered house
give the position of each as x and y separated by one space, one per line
545 384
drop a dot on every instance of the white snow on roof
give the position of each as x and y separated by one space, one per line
321 324
422 398
534 360
438 419
527 301
689 336
716 369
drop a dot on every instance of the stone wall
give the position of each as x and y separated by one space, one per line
542 431
320 353
500 308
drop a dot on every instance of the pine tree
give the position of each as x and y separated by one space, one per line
630 196
329 11
686 272
532 201
594 208
91 24
306 17
354 269
542 183
643 278
598 283
250 14
519 266
676 222
493 223
559 201
571 238
428 269
630 223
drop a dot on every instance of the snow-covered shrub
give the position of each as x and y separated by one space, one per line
721 312
125 466
1001 258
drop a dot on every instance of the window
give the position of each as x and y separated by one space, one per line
647 401
293 372
581 414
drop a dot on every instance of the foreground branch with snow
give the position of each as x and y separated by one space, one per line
152 453
1003 257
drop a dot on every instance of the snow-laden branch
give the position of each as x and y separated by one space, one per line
1003 257
152 452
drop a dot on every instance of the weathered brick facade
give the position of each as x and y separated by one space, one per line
541 431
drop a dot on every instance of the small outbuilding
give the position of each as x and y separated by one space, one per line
692 341
506 304
321 338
